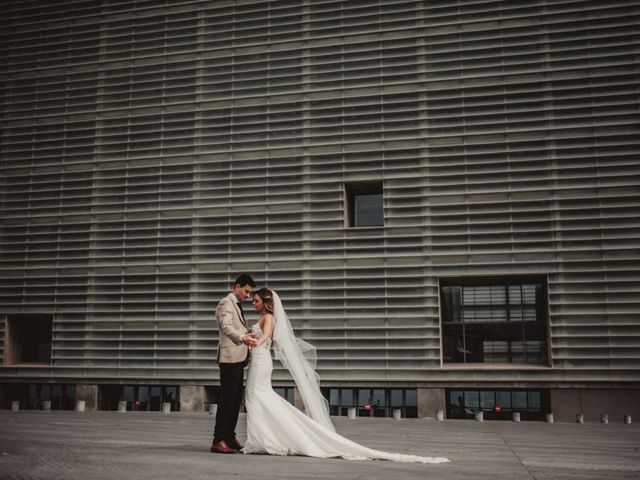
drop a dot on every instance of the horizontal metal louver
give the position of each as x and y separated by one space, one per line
152 150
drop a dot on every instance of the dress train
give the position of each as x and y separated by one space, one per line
276 427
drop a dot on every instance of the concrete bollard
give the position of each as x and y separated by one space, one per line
579 418
213 408
80 406
627 419
480 416
15 406
604 418
46 405
122 406
166 407
351 413
516 416
397 414
439 415
549 417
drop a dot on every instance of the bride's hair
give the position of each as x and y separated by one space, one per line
267 298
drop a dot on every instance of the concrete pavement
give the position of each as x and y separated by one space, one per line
152 445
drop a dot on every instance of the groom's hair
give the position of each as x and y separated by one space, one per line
244 279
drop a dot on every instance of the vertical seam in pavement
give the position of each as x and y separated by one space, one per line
531 474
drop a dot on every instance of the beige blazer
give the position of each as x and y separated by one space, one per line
231 328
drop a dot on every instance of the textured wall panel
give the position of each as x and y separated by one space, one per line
151 150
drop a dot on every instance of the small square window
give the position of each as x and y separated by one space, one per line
364 206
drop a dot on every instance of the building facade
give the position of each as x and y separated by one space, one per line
445 194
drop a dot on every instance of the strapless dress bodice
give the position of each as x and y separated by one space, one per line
255 328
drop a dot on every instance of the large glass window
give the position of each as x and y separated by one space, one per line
373 402
498 404
139 397
32 396
498 320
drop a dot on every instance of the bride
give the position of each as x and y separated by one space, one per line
276 427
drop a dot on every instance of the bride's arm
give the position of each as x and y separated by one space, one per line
267 329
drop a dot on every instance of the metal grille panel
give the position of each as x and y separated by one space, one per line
151 150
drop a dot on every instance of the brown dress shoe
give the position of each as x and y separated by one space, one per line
222 447
235 444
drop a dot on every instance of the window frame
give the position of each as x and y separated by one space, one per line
355 189
542 314
340 399
529 412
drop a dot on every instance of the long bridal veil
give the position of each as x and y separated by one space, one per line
299 357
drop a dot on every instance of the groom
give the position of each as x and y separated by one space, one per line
233 353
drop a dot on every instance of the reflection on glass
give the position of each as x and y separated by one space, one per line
171 393
364 396
382 400
531 403
472 400
504 400
127 393
347 397
70 395
143 394
368 210
494 323
519 400
411 398
456 397
487 400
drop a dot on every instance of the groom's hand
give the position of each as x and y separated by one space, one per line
249 339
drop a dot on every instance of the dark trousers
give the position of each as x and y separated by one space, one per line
231 376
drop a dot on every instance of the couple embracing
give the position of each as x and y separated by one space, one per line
274 426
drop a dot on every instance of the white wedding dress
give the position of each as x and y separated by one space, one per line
276 427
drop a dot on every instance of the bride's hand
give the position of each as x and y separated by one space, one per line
249 339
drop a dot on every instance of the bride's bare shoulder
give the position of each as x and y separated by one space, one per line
267 317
